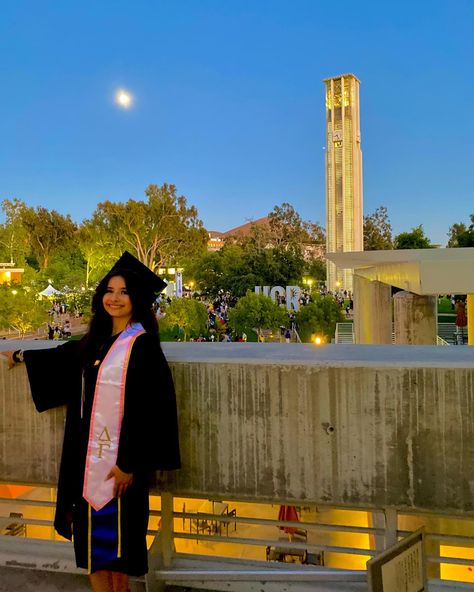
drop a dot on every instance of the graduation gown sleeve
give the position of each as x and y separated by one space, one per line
149 432
54 374
55 380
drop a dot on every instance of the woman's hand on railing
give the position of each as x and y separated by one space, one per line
9 356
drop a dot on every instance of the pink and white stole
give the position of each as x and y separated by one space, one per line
106 419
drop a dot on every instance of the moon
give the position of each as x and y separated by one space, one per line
123 98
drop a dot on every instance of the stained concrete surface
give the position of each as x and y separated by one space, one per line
361 426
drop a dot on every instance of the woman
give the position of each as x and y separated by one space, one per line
121 424
461 321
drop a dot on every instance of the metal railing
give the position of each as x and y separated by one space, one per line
344 333
311 551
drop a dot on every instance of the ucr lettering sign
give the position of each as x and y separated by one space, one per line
291 293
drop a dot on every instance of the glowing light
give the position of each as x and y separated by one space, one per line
123 98
14 292
318 340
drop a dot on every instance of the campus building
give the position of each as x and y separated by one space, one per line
344 225
10 274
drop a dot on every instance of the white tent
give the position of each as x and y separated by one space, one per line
49 291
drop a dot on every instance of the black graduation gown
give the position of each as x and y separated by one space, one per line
148 436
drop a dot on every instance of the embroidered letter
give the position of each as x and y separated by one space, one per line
104 440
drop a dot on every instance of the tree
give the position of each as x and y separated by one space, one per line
226 270
319 317
98 246
415 239
377 231
189 315
13 235
286 227
205 271
160 231
237 269
316 269
279 266
460 235
20 309
275 253
66 268
48 232
257 312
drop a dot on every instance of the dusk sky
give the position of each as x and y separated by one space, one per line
229 104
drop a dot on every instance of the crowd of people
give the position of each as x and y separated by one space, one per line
59 327
59 330
218 315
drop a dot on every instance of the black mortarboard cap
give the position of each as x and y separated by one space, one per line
151 282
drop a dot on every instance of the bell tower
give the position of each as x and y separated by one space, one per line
344 224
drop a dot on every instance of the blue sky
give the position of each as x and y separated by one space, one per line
229 104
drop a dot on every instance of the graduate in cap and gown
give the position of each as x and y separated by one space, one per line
121 424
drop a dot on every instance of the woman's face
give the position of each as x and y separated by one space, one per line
116 300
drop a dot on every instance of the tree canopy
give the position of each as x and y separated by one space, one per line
48 232
188 315
416 239
237 269
319 318
20 309
34 234
158 231
272 253
287 228
13 234
377 231
460 235
256 311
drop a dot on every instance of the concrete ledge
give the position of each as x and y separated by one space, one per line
350 425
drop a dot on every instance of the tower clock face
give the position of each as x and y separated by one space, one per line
337 136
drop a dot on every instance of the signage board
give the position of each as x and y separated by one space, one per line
401 567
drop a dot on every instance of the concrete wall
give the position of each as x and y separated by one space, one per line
365 426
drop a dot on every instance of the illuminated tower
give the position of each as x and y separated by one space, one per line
344 226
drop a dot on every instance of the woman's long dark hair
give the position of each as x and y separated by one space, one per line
100 326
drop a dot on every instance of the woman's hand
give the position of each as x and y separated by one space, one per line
122 480
9 357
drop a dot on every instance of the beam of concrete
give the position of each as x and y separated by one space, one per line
415 319
360 426
372 311
422 271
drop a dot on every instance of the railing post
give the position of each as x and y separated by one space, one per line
391 527
161 551
167 528
378 521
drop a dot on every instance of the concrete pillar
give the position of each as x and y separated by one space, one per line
470 319
415 319
372 311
